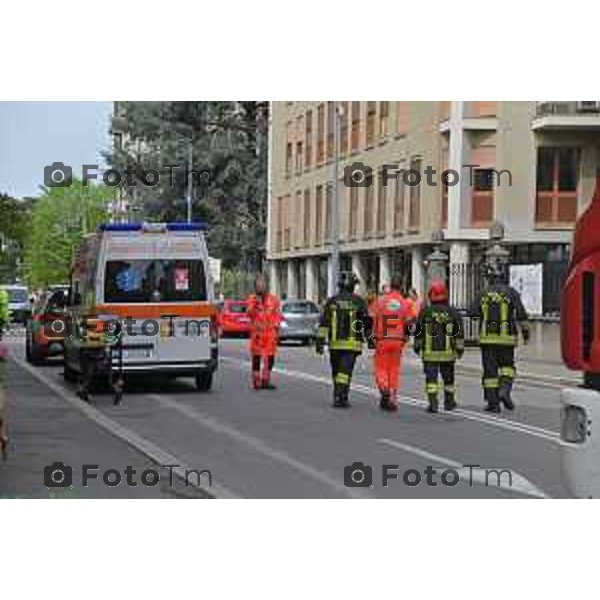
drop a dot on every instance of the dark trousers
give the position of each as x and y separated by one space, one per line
498 371
342 366
256 360
432 372
90 360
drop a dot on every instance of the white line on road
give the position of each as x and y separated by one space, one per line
480 475
146 447
257 445
501 423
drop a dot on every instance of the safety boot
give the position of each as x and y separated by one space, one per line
384 400
267 384
337 396
492 401
504 395
344 401
433 403
449 402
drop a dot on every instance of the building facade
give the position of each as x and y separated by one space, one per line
442 171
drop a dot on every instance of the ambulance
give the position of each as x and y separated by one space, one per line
147 286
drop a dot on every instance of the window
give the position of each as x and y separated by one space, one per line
344 116
280 226
298 221
307 215
371 112
308 140
414 207
353 215
299 144
319 214
381 206
399 189
355 134
384 119
287 211
155 280
368 214
288 151
328 210
320 134
556 189
482 196
330 128
402 116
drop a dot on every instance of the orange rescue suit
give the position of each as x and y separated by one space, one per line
391 314
265 316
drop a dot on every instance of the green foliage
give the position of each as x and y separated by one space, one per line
229 140
60 219
14 215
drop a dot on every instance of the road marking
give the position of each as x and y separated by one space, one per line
146 447
479 475
257 445
516 426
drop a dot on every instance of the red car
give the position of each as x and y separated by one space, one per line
233 319
46 328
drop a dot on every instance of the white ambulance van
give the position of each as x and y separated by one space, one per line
152 281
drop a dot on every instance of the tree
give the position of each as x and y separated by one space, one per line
60 219
14 216
228 140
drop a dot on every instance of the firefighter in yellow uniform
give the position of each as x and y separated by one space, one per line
439 341
501 314
344 325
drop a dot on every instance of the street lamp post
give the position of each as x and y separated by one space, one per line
335 208
189 180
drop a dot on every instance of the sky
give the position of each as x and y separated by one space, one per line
36 134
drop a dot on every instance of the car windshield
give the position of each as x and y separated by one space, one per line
159 280
17 295
299 308
237 308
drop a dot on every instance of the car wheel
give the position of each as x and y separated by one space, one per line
204 380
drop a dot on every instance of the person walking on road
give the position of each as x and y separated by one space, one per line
391 313
344 326
439 341
501 314
265 316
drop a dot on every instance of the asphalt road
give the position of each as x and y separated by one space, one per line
286 443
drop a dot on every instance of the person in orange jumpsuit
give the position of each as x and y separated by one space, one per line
265 316
391 314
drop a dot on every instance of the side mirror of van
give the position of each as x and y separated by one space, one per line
76 299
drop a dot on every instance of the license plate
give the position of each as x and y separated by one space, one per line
137 353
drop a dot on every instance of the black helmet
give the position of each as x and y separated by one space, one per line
347 281
496 272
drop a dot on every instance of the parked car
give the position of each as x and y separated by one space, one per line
300 321
18 302
233 318
46 327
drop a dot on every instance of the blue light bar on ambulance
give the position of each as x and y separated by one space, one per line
152 227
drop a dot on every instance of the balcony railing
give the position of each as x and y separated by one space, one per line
571 108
